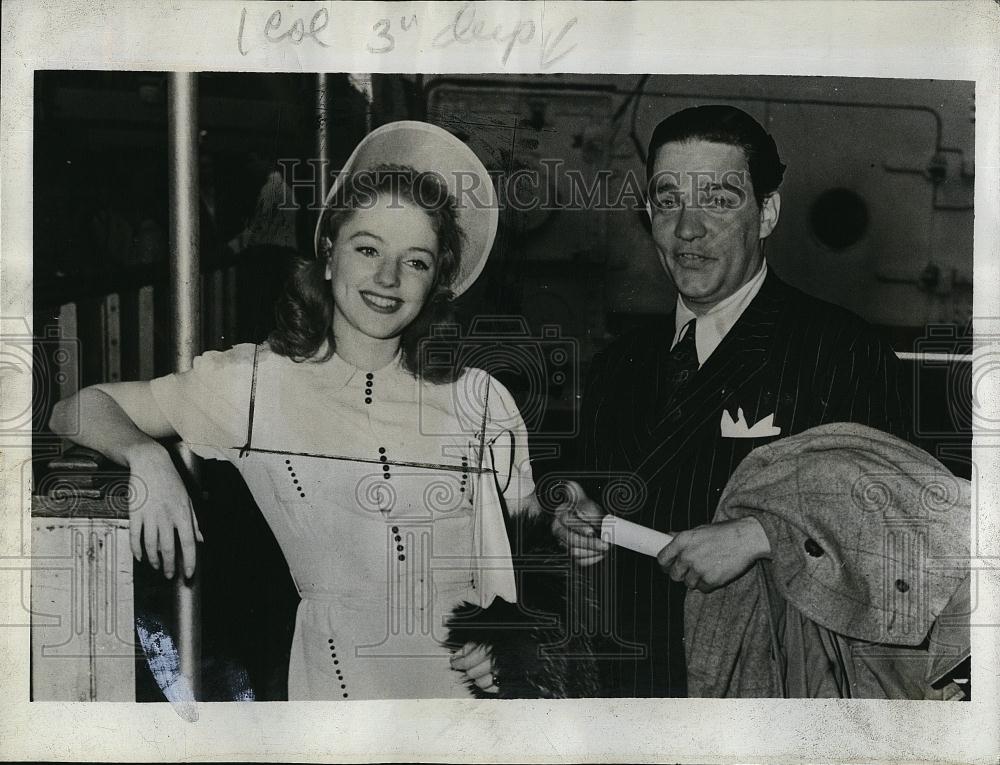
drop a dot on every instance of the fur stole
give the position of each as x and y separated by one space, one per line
543 646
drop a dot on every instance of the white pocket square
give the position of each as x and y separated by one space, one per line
738 428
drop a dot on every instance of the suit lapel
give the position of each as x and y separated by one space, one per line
734 364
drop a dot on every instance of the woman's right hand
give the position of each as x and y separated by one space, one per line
122 421
160 511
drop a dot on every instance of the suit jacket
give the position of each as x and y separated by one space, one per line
658 457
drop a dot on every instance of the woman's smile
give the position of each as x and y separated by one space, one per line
381 303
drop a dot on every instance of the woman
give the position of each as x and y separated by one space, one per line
374 470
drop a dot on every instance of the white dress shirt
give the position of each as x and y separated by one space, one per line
712 326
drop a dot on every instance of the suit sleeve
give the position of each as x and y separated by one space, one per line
592 393
588 449
868 386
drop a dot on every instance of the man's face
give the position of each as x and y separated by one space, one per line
707 227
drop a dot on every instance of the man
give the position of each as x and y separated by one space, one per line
744 359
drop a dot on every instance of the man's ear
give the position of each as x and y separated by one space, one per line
770 209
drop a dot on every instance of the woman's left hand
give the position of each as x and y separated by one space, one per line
475 661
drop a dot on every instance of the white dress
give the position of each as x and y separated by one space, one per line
381 497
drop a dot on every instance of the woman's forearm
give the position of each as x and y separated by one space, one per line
122 421
94 419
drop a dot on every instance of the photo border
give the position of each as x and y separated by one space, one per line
937 40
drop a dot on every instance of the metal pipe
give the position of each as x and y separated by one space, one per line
322 134
185 290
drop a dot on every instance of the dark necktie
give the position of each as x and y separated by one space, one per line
682 362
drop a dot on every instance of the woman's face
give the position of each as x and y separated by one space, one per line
382 267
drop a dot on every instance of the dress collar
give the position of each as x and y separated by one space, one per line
339 373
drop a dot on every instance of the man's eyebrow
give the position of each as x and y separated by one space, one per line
724 186
666 185
356 234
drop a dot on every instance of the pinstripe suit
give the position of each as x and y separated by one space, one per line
806 361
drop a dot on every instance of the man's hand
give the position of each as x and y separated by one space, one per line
709 557
577 525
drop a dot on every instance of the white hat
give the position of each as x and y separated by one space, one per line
428 148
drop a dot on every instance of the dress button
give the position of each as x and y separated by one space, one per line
902 585
395 529
402 557
368 400
381 450
399 548
813 548
398 538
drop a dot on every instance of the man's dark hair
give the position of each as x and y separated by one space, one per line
719 123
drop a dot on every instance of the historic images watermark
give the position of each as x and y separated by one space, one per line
549 186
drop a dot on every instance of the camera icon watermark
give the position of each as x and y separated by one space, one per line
35 372
537 369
